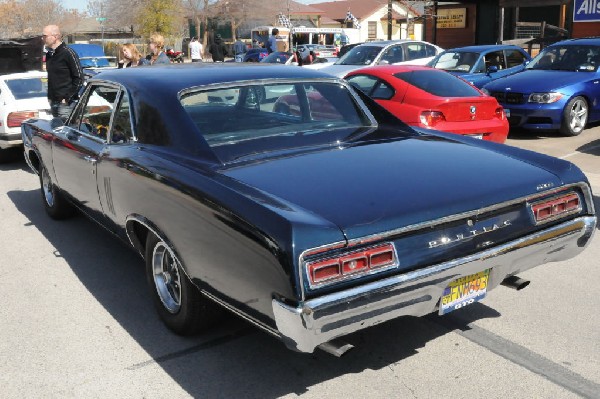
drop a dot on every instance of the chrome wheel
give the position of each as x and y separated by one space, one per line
578 114
167 277
47 188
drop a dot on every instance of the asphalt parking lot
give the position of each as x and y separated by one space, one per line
77 321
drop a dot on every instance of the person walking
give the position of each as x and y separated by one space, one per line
218 50
272 42
195 50
156 44
65 76
239 48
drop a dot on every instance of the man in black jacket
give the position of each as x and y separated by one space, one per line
65 76
217 49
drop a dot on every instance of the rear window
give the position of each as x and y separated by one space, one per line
249 119
439 83
28 87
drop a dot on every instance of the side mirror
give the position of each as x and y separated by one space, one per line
492 69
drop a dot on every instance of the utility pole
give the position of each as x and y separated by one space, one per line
389 20
101 19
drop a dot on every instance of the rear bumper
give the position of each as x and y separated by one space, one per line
8 140
418 293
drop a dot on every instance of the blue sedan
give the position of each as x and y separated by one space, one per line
480 65
559 89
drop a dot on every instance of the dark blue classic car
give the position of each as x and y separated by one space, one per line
480 65
285 196
558 90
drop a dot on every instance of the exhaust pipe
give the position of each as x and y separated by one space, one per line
515 282
335 347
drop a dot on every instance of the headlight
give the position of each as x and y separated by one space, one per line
544 98
485 91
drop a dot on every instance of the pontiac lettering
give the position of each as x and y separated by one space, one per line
469 234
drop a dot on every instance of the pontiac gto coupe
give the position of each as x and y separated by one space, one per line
311 218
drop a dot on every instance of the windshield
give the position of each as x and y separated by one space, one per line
581 58
28 87
360 55
251 119
456 61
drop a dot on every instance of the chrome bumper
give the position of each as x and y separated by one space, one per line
9 140
418 293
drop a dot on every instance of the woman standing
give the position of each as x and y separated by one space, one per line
156 44
130 56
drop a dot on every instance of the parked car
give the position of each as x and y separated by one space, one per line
93 56
558 90
22 96
347 47
480 65
433 99
279 57
398 52
310 226
255 54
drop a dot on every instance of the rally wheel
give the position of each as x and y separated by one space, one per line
575 116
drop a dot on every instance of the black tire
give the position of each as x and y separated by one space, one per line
56 205
575 117
179 303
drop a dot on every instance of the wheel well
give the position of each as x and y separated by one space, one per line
33 158
138 233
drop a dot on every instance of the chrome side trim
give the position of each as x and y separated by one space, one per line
417 293
585 188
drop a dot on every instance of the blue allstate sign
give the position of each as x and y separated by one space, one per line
586 11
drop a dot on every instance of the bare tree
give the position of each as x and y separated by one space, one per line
23 18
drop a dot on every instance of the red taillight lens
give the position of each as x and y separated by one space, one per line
556 207
356 263
431 118
500 114
15 119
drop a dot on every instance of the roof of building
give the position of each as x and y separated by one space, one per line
361 9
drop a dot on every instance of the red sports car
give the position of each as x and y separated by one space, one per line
433 99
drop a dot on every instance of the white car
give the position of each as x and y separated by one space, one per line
397 52
22 96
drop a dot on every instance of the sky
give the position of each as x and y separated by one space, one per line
81 5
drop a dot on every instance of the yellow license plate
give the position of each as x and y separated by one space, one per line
464 291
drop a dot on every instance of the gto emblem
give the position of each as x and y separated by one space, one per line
470 234
544 186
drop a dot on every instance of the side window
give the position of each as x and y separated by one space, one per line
392 55
95 115
363 83
430 51
416 51
514 58
121 128
319 106
479 66
373 87
495 58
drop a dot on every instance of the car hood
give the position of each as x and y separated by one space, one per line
533 81
369 189
340 70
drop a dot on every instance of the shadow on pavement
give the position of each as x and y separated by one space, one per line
593 148
234 359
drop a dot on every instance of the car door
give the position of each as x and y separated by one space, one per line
79 145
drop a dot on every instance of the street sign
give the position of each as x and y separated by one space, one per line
100 19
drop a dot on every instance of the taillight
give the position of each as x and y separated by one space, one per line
15 119
431 118
556 207
500 113
356 263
